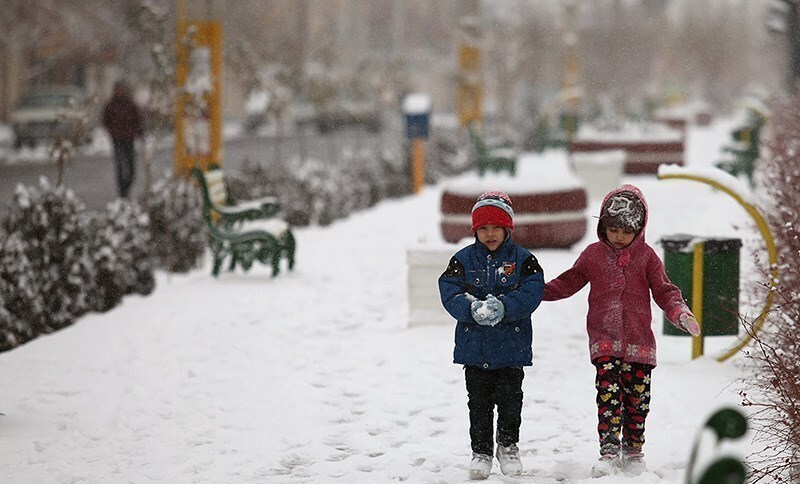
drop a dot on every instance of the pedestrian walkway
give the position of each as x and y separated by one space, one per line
314 377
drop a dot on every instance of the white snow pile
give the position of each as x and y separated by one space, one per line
315 377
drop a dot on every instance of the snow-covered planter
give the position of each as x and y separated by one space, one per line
121 253
177 230
549 202
425 264
682 117
600 171
647 146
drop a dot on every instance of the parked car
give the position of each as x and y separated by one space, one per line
339 115
49 112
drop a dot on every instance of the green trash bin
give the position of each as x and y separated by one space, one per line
720 281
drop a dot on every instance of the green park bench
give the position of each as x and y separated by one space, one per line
244 231
744 149
493 158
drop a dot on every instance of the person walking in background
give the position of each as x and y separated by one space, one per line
622 270
491 287
123 121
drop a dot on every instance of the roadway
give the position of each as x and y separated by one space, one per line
92 178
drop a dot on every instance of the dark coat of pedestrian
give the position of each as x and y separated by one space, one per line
123 121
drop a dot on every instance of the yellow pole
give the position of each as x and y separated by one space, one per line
180 79
214 98
697 298
198 136
469 95
771 251
417 164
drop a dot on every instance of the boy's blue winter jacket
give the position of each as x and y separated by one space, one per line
514 276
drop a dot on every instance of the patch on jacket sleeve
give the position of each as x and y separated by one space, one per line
530 266
509 268
454 269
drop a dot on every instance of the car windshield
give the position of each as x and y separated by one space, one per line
49 101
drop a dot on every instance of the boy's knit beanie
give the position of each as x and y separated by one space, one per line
623 210
493 208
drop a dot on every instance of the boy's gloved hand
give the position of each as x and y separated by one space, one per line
479 313
495 309
689 324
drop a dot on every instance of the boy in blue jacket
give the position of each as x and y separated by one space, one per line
491 288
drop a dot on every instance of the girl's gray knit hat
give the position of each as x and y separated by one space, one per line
623 210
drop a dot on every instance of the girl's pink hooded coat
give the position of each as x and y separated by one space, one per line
619 318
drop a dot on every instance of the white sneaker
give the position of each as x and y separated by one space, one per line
607 465
508 456
633 463
480 467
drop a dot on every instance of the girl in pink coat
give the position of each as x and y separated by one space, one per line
623 271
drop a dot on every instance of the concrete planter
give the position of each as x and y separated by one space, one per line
646 148
425 265
600 171
541 220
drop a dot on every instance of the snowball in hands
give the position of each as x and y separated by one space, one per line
480 312
489 312
496 309
689 324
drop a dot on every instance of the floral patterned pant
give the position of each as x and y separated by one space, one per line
623 402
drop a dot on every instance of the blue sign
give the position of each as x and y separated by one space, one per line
417 108
417 125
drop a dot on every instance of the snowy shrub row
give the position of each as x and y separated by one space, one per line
314 192
59 261
774 386
178 232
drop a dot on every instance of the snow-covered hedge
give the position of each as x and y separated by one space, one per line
121 254
47 257
59 260
317 192
178 234
774 385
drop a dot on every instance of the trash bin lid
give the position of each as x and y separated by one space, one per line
685 243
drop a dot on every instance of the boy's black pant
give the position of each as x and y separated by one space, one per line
487 388
623 402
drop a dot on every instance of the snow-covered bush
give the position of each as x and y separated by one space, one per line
58 260
312 191
121 254
19 293
178 232
774 393
47 255
449 152
319 192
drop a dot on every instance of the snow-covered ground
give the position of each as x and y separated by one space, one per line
315 376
